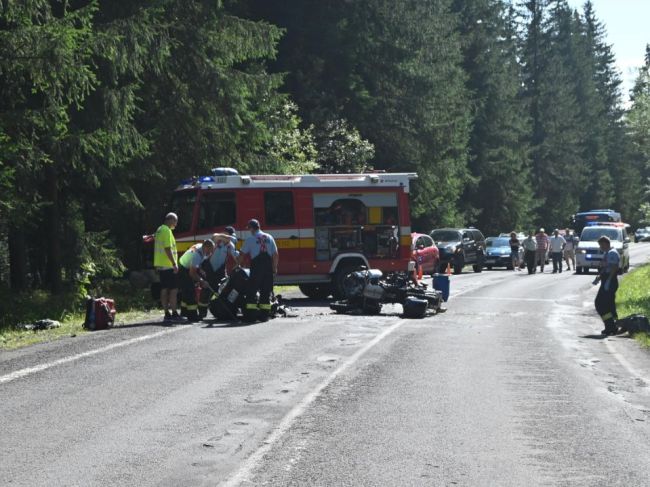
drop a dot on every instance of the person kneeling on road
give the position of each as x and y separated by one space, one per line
262 251
608 277
215 267
190 274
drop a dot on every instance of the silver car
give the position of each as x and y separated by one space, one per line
588 254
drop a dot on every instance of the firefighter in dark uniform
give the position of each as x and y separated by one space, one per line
215 267
608 278
190 274
263 253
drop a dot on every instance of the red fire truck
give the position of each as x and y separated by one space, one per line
325 225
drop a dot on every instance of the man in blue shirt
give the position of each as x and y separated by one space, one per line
608 278
262 251
215 266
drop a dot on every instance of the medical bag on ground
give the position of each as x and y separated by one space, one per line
100 313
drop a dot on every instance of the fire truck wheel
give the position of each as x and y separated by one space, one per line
340 275
316 291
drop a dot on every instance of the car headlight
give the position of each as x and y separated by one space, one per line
582 251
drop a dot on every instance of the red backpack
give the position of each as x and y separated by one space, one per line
100 313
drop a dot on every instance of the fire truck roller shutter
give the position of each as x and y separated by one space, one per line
371 200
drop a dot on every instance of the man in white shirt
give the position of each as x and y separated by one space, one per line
556 244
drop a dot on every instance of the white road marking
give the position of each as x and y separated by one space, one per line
623 361
39 368
246 469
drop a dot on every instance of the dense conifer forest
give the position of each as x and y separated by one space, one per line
511 112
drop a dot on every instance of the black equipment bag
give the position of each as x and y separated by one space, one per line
415 307
634 324
232 291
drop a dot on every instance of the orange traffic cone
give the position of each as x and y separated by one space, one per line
419 273
448 271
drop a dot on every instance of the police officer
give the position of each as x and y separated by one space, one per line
608 278
215 266
191 274
263 253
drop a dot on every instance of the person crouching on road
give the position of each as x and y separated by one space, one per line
190 275
215 267
165 260
608 276
557 243
542 248
570 249
262 251
530 250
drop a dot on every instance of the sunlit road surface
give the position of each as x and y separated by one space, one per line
513 385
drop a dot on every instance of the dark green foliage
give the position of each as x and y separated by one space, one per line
499 150
392 69
107 104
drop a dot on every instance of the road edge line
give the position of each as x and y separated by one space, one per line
250 463
18 374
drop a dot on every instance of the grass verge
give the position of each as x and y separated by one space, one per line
633 297
132 305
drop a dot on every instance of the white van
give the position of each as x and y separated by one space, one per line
588 254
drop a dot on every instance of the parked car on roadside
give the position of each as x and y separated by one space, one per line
459 247
588 254
497 252
425 253
642 234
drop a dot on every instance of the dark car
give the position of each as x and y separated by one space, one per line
642 235
460 247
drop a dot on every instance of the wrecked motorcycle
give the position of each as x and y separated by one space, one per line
367 290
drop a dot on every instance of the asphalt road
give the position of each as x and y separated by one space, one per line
511 386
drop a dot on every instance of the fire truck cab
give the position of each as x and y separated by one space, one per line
325 225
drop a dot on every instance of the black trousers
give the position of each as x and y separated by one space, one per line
189 307
529 257
213 278
557 261
260 282
606 303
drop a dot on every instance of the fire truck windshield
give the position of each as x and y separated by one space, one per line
182 203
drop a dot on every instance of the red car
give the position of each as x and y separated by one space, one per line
424 252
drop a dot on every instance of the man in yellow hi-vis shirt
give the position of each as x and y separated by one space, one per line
165 259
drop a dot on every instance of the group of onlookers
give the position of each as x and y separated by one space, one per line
537 246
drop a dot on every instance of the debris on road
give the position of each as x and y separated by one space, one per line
45 324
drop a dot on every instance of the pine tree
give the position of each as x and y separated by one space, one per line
392 70
498 145
559 170
638 127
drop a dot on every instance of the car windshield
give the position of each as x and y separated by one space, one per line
593 234
445 236
497 242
